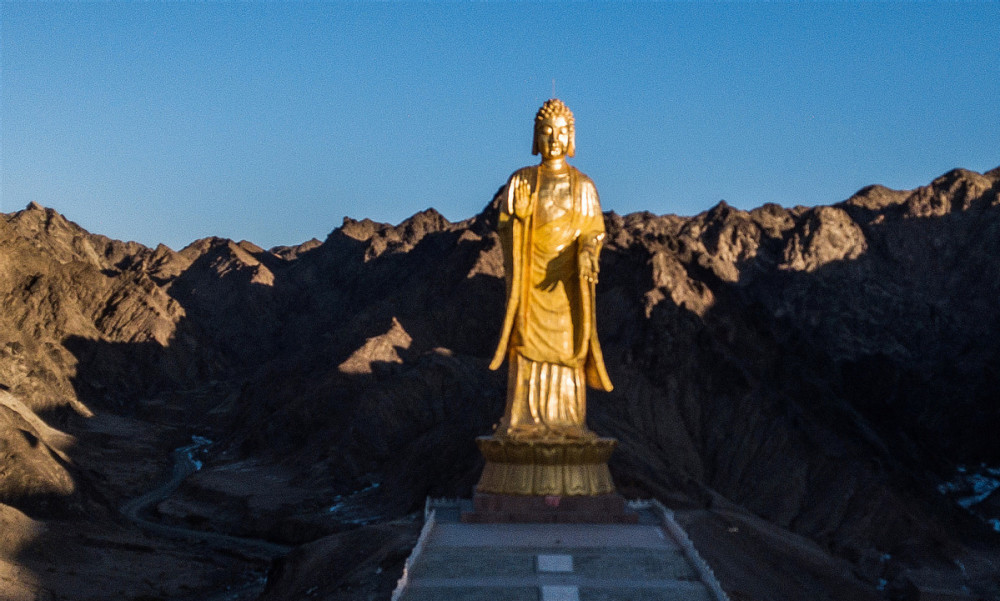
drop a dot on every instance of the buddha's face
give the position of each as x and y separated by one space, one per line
552 138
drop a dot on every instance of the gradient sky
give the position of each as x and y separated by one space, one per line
171 121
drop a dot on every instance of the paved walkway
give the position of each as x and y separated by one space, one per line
649 561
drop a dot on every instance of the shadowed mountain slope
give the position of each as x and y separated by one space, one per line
821 372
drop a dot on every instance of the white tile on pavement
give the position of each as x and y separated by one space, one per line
551 592
555 563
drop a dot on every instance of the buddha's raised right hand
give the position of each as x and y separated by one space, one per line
522 198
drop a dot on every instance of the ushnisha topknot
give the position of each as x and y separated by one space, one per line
553 108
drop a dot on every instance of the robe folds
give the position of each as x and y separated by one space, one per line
549 336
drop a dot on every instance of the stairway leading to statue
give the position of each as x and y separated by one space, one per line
651 560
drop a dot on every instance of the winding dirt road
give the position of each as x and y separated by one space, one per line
184 464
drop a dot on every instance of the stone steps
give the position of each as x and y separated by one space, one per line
648 561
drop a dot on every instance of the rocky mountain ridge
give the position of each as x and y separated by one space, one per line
821 369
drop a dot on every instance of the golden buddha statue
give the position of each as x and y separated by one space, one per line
551 229
542 463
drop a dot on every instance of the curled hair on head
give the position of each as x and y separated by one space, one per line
553 108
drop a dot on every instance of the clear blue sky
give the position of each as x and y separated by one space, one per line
167 122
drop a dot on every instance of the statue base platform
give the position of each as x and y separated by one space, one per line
505 509
547 481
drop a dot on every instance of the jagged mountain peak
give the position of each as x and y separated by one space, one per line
64 240
877 197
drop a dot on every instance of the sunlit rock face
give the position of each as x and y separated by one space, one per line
383 348
824 369
824 235
34 459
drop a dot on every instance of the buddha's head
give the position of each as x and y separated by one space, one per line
555 135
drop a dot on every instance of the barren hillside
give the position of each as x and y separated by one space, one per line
815 390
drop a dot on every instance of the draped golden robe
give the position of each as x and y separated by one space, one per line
549 335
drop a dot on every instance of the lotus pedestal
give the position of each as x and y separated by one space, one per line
563 481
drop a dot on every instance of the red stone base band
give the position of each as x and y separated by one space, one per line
600 509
